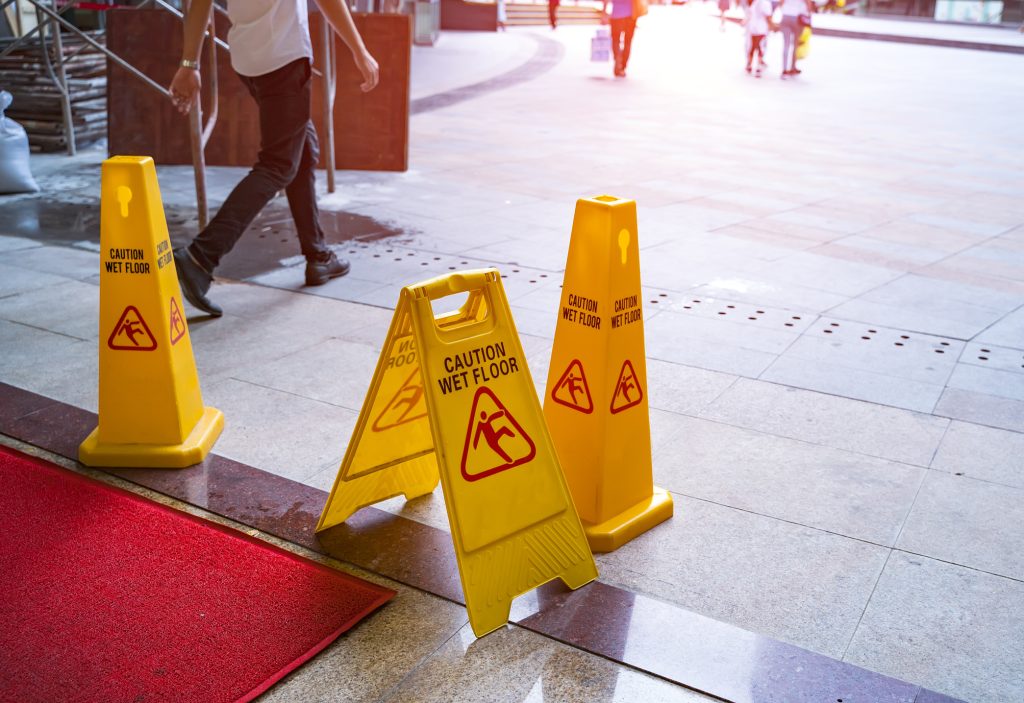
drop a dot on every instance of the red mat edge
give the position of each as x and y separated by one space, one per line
386 593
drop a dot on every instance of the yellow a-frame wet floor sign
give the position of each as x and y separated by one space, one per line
151 409
451 398
596 404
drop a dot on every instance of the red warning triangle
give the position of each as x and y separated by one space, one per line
572 390
407 405
627 390
131 332
177 322
494 440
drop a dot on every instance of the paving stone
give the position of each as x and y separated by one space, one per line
365 663
848 382
683 389
794 583
70 308
983 453
513 665
316 432
830 489
833 421
950 628
67 262
981 408
15 279
1007 332
969 522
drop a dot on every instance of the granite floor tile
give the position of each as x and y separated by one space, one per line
914 319
990 381
800 299
836 379
670 337
981 408
369 661
68 373
518 666
69 262
946 627
830 420
793 583
969 522
16 279
9 243
892 352
22 346
850 494
310 433
1007 332
683 389
828 274
983 453
70 308
334 371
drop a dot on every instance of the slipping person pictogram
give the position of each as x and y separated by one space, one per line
627 389
406 405
572 389
131 333
506 444
486 428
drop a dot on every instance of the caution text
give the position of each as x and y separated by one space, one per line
403 353
627 311
126 261
582 311
480 365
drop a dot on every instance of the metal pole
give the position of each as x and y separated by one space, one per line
327 37
65 98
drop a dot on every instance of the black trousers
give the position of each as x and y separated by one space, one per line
287 159
622 39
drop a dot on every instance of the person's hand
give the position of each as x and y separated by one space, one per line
367 66
185 89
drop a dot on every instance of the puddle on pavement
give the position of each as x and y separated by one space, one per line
270 238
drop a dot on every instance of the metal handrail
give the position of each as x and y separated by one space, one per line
199 134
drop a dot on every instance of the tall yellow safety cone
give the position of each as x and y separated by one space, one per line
596 403
151 409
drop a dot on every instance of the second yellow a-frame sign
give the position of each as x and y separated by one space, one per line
452 398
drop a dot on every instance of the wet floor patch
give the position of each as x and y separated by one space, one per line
271 237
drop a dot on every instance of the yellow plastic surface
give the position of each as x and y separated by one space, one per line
596 404
452 398
151 410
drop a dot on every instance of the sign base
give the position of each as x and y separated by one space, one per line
614 532
193 450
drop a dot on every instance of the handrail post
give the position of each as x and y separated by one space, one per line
327 37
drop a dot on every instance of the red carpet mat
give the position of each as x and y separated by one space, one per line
106 596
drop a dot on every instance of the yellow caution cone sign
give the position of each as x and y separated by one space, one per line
596 403
452 399
151 409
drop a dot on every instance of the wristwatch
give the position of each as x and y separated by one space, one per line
186 63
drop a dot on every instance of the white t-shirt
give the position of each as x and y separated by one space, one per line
757 17
267 34
794 7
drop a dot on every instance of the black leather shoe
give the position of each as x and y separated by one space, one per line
324 268
194 283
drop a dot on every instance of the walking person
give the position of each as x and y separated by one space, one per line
271 52
758 24
796 14
723 7
623 25
553 13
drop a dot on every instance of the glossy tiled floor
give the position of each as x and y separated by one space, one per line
835 326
